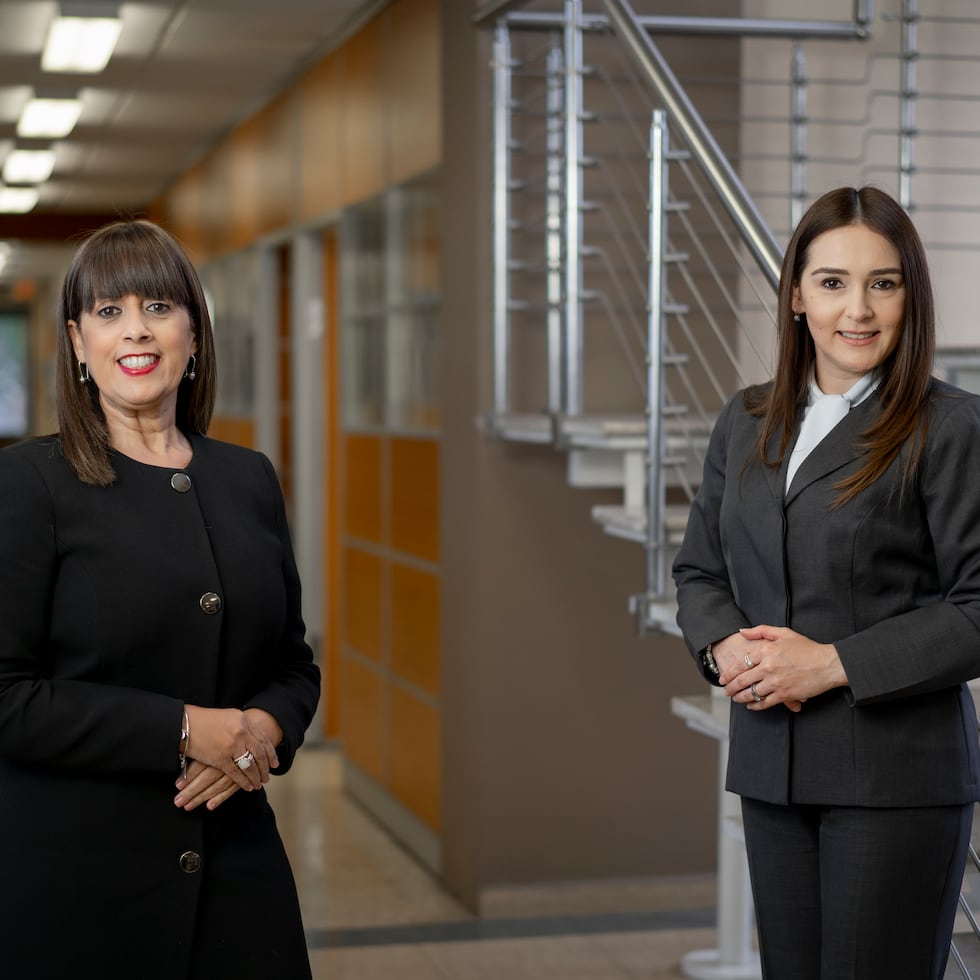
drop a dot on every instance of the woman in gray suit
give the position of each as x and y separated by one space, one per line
153 667
829 581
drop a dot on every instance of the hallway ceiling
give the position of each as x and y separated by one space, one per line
184 72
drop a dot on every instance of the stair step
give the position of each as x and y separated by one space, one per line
631 522
658 615
519 427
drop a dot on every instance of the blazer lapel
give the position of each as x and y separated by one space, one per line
838 449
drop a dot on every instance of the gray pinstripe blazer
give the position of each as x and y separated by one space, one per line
892 580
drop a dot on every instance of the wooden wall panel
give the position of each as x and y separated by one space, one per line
415 756
367 116
181 213
415 497
362 489
320 97
415 627
414 81
332 575
240 431
362 629
362 132
274 140
363 722
245 185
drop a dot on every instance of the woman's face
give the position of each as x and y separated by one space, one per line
853 294
137 350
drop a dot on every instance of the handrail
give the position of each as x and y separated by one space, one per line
702 145
833 30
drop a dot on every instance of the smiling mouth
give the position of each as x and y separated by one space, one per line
865 335
138 362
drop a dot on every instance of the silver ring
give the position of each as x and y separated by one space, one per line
748 661
755 693
245 760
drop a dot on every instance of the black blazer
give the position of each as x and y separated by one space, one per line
103 638
892 580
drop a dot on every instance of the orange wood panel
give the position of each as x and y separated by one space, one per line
363 721
415 497
238 430
331 481
275 134
362 602
414 96
284 260
415 756
415 627
320 99
362 133
244 181
183 210
362 487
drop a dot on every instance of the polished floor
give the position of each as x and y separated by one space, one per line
372 913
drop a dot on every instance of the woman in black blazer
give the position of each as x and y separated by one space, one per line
829 580
153 667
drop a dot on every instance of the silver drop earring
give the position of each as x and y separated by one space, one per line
191 374
796 317
83 374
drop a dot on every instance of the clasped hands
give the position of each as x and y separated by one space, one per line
217 737
763 666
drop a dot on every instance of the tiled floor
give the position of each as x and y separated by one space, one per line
372 913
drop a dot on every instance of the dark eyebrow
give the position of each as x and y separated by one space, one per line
825 271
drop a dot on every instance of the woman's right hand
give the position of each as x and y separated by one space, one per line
736 654
218 736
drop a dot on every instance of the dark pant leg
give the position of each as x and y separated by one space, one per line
783 848
850 893
891 882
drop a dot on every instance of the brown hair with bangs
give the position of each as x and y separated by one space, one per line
906 372
127 258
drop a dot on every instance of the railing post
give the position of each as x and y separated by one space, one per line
906 126
656 484
573 207
501 217
553 223
797 136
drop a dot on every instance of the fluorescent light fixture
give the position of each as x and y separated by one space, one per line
82 38
28 166
51 119
17 200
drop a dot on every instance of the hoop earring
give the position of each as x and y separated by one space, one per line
83 374
191 374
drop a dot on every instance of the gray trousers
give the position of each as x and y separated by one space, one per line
855 893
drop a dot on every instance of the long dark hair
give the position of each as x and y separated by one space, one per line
906 372
126 258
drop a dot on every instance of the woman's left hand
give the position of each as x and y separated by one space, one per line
790 669
204 785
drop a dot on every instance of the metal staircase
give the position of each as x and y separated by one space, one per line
635 264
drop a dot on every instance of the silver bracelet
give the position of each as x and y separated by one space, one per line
185 741
709 660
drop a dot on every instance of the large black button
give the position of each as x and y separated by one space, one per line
211 602
181 482
190 861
